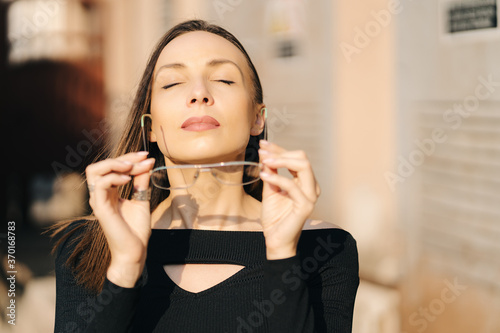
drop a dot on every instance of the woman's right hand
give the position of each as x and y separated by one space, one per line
125 223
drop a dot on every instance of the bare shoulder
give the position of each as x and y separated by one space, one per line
319 224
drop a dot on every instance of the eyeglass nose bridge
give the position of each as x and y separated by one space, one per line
213 172
195 178
198 171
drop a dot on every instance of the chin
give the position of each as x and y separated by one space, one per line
205 156
207 149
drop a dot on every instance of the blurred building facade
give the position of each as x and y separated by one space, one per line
449 125
397 115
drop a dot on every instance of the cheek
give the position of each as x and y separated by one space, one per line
162 127
163 111
240 123
238 132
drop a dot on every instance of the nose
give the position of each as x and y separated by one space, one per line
200 95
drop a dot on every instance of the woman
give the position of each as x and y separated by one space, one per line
224 247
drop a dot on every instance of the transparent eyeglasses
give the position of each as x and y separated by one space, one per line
227 173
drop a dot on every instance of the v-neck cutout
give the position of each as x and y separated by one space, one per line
181 247
196 279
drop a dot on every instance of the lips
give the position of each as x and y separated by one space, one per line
200 123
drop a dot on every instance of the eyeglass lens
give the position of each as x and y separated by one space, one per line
227 174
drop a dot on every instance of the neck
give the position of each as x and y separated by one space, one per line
208 205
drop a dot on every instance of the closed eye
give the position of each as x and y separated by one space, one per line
226 82
170 85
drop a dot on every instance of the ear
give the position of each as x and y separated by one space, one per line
152 136
260 120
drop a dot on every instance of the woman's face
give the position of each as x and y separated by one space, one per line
202 102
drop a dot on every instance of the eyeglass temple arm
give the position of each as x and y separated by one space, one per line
143 130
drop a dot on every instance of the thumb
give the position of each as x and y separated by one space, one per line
141 182
141 179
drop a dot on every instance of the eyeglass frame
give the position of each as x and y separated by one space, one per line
200 167
207 168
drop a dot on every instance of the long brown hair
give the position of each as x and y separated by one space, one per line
91 257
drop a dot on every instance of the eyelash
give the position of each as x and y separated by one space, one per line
223 81
226 82
169 85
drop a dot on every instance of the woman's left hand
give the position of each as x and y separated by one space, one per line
286 203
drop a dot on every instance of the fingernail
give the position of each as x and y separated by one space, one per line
264 174
126 177
142 153
127 162
264 142
268 160
264 152
145 162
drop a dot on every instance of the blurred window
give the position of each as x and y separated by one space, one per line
53 29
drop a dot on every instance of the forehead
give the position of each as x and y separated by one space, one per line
198 47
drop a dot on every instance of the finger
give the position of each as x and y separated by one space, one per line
280 152
102 186
291 189
96 171
268 187
142 167
269 150
111 180
122 164
133 157
271 147
263 154
101 168
282 183
297 154
141 180
294 165
301 169
299 166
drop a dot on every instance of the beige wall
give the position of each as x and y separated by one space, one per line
365 147
365 133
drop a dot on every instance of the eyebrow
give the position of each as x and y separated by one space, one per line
211 63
